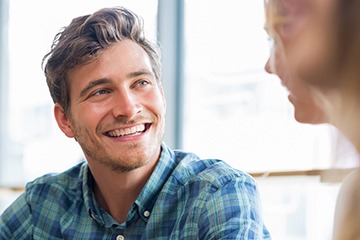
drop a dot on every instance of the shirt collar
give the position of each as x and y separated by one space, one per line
88 195
148 195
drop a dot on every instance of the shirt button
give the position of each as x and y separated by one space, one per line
120 237
146 213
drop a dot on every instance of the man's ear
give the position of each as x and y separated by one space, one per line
63 121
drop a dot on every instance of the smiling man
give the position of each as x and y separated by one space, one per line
104 78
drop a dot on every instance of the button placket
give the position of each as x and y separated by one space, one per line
120 237
146 214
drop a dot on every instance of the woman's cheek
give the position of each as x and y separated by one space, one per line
313 54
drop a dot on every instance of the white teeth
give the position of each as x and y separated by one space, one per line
127 131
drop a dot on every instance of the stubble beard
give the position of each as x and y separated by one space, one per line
136 157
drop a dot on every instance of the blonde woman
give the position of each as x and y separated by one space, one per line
316 53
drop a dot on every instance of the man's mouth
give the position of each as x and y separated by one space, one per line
130 131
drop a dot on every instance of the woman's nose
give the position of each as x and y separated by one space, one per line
268 67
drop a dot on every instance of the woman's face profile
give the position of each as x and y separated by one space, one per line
302 46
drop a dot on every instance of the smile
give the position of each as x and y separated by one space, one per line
130 131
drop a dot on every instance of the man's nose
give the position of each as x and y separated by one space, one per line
126 105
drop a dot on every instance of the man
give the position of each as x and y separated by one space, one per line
104 78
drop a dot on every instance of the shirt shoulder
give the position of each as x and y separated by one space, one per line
60 186
347 212
213 171
214 200
46 206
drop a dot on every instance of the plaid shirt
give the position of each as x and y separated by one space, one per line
185 198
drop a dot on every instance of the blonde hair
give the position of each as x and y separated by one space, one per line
274 15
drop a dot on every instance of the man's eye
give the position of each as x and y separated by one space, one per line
142 83
101 92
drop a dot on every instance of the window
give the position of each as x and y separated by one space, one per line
233 109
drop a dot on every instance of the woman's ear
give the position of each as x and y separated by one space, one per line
63 121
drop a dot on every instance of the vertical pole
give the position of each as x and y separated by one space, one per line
171 38
4 82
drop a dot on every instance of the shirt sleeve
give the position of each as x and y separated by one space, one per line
233 212
15 222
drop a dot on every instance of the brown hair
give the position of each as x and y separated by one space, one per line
85 39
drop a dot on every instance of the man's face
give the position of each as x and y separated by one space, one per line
117 108
300 32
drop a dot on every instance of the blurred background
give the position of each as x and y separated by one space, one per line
220 103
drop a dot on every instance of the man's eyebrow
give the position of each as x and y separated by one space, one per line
93 84
105 80
139 73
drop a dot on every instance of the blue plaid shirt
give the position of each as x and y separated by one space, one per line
185 198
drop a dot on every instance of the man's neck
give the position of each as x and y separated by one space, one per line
116 192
